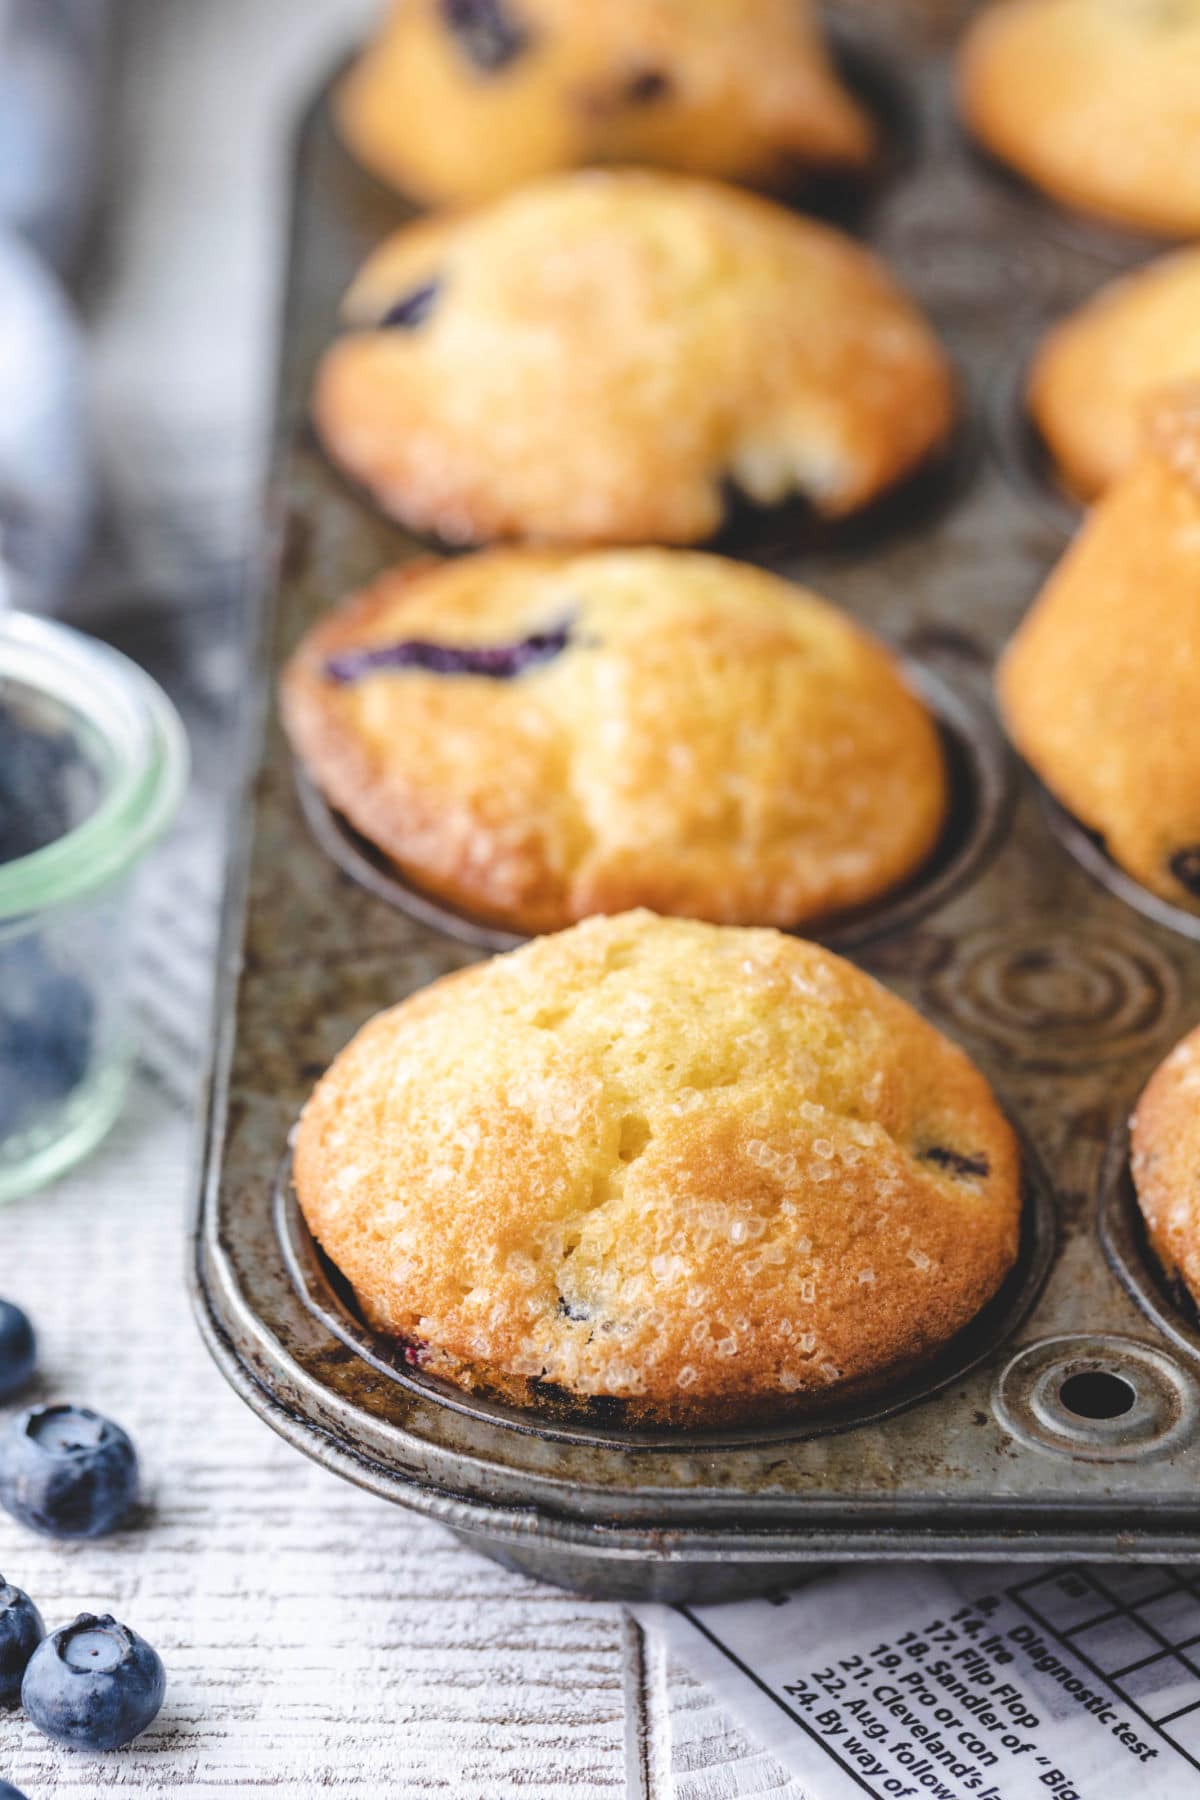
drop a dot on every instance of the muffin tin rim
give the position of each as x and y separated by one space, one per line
1087 849
1066 1521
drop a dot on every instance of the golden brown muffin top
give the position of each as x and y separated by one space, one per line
457 100
704 1171
1097 101
1100 687
540 735
1165 1158
1101 372
597 357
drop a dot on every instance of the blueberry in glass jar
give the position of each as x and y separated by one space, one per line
67 1472
18 1349
94 1685
93 762
47 1020
48 786
21 1631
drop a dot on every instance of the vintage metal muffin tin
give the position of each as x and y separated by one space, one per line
1066 1422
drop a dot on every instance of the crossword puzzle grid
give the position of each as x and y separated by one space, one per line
1138 1628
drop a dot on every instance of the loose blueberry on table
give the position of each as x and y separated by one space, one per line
9 1792
94 1685
66 1471
18 1346
21 1631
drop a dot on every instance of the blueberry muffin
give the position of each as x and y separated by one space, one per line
600 357
540 735
1095 101
665 1171
457 100
1165 1157
1100 687
1099 372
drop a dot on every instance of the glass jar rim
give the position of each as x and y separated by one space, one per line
145 749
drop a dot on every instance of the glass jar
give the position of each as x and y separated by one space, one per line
93 764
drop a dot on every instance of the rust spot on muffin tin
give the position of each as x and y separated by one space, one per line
980 781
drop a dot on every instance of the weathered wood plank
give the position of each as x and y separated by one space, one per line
316 1638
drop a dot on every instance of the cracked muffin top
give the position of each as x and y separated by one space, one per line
539 735
604 357
1100 687
457 100
661 1171
1095 101
1165 1154
1099 373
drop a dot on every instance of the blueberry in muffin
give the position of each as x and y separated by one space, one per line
458 100
538 735
676 1172
1100 687
600 357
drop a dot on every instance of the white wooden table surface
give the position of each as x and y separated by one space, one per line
315 1638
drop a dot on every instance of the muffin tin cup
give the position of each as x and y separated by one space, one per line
1088 850
1064 1426
979 768
327 1295
749 531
